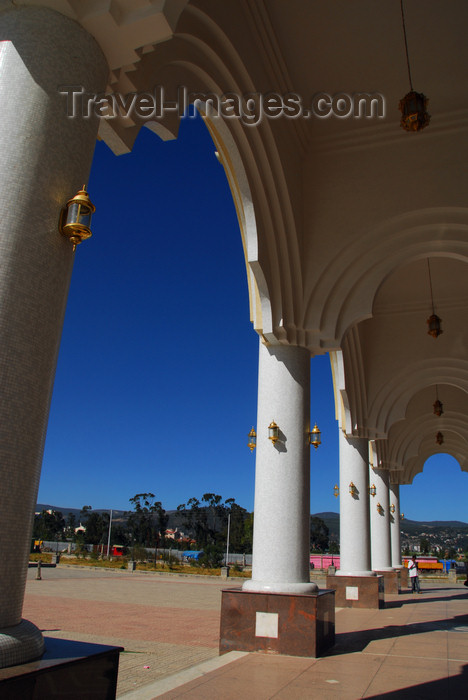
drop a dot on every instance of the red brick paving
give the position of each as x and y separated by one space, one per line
134 621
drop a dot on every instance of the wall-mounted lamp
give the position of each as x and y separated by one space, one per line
402 516
314 437
336 490
252 443
392 507
273 432
352 489
372 490
379 508
75 218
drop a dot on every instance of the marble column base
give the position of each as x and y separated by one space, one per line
67 669
277 623
20 643
391 581
357 591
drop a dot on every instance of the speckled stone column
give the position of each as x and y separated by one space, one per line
282 478
395 526
381 555
44 159
354 510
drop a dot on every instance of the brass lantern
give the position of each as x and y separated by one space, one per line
392 507
336 490
414 115
75 220
352 489
252 443
314 437
434 326
273 432
439 438
438 407
413 106
372 490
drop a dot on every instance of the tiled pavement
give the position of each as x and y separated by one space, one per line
417 647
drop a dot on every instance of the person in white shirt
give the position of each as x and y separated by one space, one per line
413 572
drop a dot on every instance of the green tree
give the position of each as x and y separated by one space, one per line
48 525
70 525
97 527
146 520
318 535
424 545
206 520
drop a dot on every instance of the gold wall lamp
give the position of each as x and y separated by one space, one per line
273 432
352 489
372 490
314 436
379 508
75 217
336 490
392 507
252 443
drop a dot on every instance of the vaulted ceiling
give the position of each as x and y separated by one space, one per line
339 217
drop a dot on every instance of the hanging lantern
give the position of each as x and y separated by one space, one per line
413 106
414 115
438 407
252 443
439 438
434 326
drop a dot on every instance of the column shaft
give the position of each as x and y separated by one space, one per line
380 522
354 510
395 526
282 479
45 160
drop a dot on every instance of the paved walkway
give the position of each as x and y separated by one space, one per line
417 647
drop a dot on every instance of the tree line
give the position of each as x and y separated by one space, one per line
204 522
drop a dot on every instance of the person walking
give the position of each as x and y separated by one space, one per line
413 573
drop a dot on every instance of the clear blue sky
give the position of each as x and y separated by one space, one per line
156 384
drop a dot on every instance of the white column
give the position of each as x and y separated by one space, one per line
282 478
395 526
354 510
44 159
380 522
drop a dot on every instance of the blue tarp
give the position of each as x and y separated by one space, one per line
193 555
